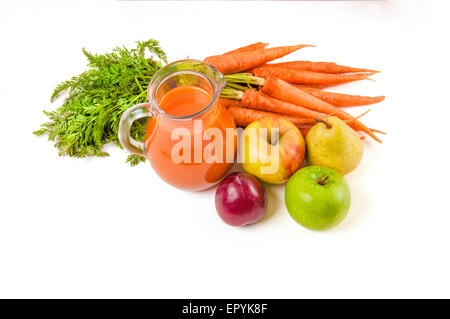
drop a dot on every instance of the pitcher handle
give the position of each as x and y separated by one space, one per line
134 113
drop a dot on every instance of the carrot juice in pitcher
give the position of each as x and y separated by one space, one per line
180 158
190 139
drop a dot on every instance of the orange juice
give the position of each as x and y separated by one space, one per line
194 172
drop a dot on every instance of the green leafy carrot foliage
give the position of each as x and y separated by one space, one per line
95 100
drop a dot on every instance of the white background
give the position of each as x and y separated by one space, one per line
98 228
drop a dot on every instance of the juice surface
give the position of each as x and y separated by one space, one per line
191 174
184 100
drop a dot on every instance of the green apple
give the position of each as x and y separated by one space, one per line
317 197
272 149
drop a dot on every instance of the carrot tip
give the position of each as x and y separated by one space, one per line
378 131
361 115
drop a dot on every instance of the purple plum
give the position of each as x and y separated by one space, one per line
241 199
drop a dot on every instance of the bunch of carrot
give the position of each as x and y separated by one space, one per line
292 90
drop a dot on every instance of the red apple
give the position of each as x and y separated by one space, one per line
241 199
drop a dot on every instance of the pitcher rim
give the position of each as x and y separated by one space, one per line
154 105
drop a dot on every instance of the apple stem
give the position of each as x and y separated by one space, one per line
323 181
324 122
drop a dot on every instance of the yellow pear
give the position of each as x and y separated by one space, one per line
334 144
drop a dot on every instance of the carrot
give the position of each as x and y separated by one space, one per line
359 116
288 93
303 130
339 99
241 61
314 86
243 116
228 102
323 67
307 77
250 47
307 126
260 101
378 131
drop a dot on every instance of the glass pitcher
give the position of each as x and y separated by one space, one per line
190 139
